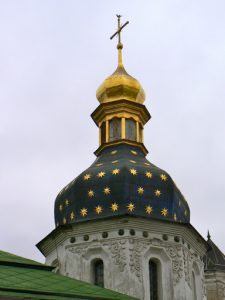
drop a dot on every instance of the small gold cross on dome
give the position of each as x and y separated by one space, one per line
119 45
118 32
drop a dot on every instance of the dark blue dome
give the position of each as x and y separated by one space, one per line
121 181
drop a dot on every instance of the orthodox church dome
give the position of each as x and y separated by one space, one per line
121 181
123 224
120 85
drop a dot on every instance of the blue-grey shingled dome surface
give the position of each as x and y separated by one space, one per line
120 182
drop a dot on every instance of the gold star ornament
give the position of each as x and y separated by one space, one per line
140 190
83 212
114 206
148 209
133 152
163 177
175 217
148 174
113 152
115 161
67 202
115 171
131 207
91 193
147 164
98 209
133 171
101 174
87 176
132 161
157 193
60 207
164 212
106 190
72 215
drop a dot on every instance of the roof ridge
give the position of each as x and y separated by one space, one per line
69 295
27 266
9 259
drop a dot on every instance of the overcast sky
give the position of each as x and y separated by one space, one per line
54 55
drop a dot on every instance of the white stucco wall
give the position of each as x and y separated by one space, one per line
215 285
126 257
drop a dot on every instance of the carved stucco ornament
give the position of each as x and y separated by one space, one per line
189 259
176 257
186 266
118 254
79 250
136 249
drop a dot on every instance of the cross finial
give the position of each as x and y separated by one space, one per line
208 236
118 32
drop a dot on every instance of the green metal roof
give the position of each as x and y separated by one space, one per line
21 278
12 258
214 258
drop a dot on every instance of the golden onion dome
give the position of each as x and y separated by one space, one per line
120 85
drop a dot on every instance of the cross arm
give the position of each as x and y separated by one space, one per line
118 31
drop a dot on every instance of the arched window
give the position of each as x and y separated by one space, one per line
114 129
98 272
155 279
194 292
130 130
196 282
103 133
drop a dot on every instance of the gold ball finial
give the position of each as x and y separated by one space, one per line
119 46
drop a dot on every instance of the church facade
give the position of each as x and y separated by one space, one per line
123 224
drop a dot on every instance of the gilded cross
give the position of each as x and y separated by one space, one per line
118 32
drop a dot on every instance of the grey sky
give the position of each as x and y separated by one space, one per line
54 55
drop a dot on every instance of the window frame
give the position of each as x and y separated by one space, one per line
96 263
134 130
